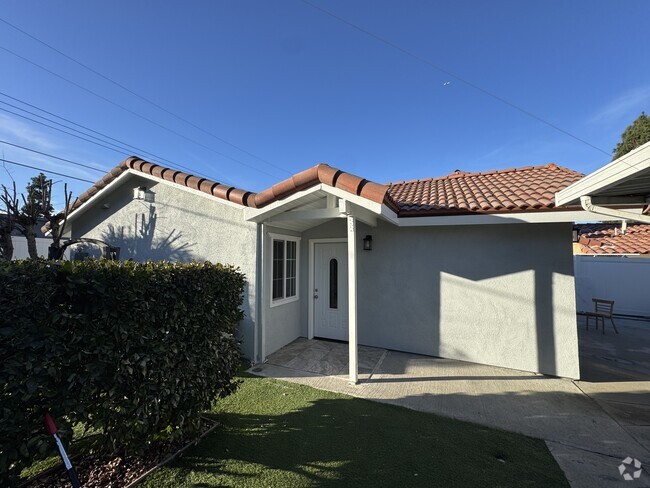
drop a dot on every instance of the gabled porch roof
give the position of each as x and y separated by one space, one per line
311 207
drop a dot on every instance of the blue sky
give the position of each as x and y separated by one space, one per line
295 87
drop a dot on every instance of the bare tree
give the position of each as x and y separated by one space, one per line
56 220
37 205
7 223
25 217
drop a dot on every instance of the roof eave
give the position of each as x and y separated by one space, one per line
608 177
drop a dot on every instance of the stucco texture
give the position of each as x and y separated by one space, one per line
493 294
177 226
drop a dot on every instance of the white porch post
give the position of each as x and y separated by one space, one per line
261 292
352 298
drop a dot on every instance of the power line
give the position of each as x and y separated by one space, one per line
135 148
122 149
45 170
132 112
141 97
65 132
450 74
53 157
119 151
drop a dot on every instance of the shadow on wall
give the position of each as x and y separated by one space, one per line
545 328
141 242
499 303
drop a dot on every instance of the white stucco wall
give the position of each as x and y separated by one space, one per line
178 226
492 294
283 323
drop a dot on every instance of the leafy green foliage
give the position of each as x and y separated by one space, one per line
637 134
134 350
38 190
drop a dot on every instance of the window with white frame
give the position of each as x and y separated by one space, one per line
284 275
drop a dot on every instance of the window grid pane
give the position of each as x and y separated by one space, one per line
291 269
278 269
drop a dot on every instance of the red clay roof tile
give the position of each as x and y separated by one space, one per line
609 239
510 190
516 189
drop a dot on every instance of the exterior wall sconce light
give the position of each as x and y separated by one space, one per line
575 234
367 243
141 193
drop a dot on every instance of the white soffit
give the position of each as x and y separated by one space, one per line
626 176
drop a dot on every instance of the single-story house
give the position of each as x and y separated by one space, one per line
471 266
611 262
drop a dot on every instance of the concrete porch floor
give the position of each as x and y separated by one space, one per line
325 357
589 426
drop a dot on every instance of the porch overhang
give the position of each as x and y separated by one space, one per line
618 190
312 207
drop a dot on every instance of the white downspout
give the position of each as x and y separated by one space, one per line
585 202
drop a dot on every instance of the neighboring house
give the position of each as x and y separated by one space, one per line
20 241
613 239
471 266
611 262
619 190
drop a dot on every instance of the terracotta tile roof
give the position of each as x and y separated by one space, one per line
531 188
520 189
321 173
609 239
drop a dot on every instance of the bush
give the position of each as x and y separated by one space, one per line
134 350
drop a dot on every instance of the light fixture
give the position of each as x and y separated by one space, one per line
138 193
367 243
141 193
575 234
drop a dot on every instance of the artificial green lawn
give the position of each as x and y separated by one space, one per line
280 434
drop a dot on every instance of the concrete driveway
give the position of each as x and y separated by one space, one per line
588 425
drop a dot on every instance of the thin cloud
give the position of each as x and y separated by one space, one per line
14 154
21 132
629 104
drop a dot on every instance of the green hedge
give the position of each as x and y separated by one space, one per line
134 350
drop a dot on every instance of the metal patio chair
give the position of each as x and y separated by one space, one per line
603 309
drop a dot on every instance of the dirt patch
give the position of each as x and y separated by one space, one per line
116 470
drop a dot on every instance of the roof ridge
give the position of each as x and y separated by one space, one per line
320 173
464 174
467 195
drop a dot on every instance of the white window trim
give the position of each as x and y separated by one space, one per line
283 301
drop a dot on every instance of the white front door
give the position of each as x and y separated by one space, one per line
330 292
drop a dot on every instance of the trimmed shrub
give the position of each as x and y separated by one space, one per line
135 350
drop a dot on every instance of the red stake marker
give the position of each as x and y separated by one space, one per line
50 426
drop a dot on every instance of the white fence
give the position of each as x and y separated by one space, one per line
626 280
